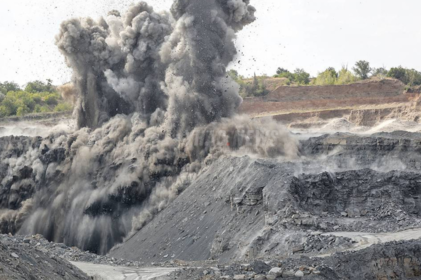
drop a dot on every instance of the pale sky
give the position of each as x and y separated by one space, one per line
309 34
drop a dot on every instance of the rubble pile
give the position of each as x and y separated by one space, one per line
21 259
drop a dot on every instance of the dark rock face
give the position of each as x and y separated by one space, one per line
358 192
242 208
387 150
237 208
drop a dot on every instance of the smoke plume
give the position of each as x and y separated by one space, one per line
153 105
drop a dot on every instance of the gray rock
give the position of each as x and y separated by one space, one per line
299 273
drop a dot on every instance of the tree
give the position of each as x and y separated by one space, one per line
327 77
379 72
301 77
345 77
8 86
256 88
283 73
362 69
233 74
332 71
281 70
38 86
398 73
414 77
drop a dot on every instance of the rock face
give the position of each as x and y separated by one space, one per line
240 208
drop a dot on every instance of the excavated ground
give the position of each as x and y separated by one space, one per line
23 261
344 194
318 214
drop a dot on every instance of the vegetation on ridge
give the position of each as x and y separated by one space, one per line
36 97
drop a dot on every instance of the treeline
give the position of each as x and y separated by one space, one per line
362 70
36 97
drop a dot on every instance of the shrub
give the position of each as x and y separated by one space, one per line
62 107
327 77
345 77
22 110
51 99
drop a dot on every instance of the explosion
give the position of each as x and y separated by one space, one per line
153 106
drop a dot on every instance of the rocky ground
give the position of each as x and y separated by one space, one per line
395 260
248 218
33 257
29 258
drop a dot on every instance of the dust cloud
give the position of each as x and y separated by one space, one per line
153 106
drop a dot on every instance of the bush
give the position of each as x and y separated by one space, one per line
51 99
288 75
22 110
327 77
345 77
62 107
331 77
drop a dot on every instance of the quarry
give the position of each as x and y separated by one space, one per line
164 172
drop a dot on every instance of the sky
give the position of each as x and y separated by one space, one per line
308 34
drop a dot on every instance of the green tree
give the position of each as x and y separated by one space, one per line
327 77
345 77
233 74
283 73
301 77
398 73
8 106
414 77
8 86
51 99
22 110
38 86
380 72
362 69
281 70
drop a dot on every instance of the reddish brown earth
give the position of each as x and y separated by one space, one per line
363 103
